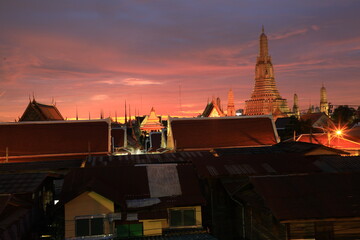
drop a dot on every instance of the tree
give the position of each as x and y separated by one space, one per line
343 115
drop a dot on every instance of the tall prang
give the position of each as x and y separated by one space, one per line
296 109
265 98
231 105
324 105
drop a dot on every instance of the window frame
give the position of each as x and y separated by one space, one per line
182 211
130 232
89 218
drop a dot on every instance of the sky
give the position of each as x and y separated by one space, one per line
90 56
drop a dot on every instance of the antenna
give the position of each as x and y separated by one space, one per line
180 98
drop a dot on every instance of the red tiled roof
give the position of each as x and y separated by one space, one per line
209 133
53 138
50 112
330 141
41 112
315 196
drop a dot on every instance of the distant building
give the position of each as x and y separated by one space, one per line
265 98
41 112
213 109
296 109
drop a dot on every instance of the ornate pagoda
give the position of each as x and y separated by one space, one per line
265 98
151 123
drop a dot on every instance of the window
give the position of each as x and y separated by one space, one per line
89 226
182 217
129 230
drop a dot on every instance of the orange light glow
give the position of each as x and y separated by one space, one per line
338 132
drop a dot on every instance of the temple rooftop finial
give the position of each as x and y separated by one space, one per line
262 29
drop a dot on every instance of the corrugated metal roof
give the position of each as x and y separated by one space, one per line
179 157
21 183
36 166
282 147
338 163
132 182
163 180
310 196
254 164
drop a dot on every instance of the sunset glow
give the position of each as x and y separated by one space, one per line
89 56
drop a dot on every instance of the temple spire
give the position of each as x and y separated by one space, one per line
125 113
231 105
262 29
296 106
264 52
324 105
265 98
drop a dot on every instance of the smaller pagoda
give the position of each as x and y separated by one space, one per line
151 123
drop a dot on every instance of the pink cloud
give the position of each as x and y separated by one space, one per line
140 82
288 34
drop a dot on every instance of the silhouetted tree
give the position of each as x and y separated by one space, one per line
343 115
